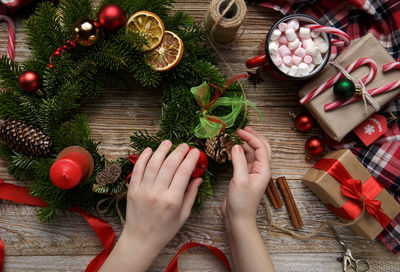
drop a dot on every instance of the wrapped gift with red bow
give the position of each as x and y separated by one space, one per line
347 188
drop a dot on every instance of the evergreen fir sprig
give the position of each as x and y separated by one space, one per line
80 73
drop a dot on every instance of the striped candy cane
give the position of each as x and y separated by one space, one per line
330 30
372 92
360 62
11 35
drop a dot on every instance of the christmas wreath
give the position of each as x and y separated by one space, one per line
76 48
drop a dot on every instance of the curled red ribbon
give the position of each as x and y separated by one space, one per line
103 230
173 265
356 191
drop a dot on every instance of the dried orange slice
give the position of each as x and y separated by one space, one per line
150 25
168 54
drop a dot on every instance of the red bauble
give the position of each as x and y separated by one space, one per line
201 165
304 122
111 17
29 81
314 146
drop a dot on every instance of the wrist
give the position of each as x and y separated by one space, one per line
240 225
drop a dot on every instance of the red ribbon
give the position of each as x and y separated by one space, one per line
1 255
103 230
173 265
356 191
132 159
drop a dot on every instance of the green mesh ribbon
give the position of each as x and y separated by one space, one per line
211 125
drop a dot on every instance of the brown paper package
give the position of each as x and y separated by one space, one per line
327 189
339 122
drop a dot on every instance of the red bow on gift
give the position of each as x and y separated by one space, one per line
359 194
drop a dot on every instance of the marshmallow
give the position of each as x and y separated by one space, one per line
294 44
300 51
311 67
284 68
318 41
302 69
290 34
323 47
284 50
292 70
314 34
308 59
273 48
283 26
312 50
307 42
288 60
275 34
318 59
283 40
276 59
304 32
296 60
294 24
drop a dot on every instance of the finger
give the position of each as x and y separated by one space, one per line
140 166
260 149
170 166
154 165
261 137
182 176
239 162
190 197
249 152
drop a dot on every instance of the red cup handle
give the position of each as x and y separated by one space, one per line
256 62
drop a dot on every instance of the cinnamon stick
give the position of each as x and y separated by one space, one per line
273 195
290 204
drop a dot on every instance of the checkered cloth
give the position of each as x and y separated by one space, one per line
356 18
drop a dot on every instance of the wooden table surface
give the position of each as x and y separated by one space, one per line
68 243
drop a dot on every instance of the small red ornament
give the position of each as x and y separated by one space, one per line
201 165
314 146
29 81
303 121
73 165
111 17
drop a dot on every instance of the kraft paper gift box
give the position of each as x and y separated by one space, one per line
339 122
328 190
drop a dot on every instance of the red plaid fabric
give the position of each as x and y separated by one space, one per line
356 18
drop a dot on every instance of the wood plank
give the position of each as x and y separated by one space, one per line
68 243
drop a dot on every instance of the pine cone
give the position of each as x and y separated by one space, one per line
219 147
109 175
25 138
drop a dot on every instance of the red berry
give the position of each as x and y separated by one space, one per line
51 66
65 47
56 53
201 165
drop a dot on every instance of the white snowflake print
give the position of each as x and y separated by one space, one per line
368 129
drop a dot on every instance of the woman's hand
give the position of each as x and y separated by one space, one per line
159 202
251 174
160 197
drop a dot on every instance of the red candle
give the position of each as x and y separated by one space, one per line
69 170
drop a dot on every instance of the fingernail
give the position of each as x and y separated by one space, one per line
166 142
146 150
237 149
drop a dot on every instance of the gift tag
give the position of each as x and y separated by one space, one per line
371 129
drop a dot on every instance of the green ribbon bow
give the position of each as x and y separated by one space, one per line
211 125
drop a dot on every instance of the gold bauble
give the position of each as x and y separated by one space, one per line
87 32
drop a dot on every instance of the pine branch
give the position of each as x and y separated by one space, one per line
9 74
44 32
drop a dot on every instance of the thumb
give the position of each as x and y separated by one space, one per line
190 197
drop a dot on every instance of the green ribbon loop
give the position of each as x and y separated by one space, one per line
211 125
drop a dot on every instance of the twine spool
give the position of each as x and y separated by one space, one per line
223 19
